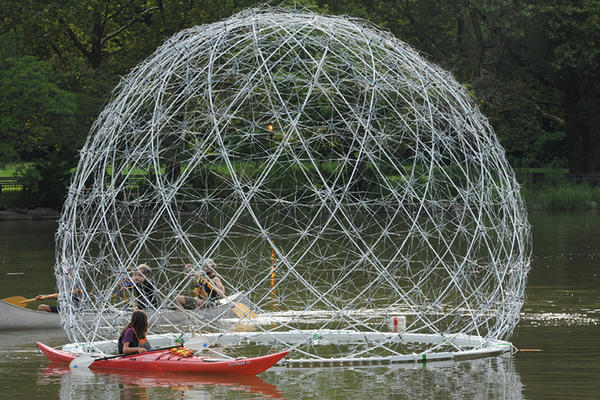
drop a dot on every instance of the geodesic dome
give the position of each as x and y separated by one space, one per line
336 178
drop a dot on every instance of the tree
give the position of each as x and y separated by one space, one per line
568 33
37 125
96 29
36 116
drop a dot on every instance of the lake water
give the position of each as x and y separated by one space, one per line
561 319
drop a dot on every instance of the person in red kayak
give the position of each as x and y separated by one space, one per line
133 338
208 287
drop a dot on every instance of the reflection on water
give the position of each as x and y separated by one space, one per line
144 384
483 378
477 379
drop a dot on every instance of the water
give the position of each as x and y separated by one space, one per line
561 318
562 313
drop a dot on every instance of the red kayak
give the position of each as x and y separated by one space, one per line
165 361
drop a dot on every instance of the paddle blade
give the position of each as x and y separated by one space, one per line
18 301
21 301
197 343
82 362
243 312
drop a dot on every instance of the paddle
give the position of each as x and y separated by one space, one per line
85 360
21 301
200 343
197 343
243 311
81 362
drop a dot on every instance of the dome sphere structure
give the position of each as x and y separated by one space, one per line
334 176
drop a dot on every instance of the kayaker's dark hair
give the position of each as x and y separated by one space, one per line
139 323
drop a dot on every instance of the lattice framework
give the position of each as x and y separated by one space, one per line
335 176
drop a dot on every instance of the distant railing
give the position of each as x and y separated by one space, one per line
9 184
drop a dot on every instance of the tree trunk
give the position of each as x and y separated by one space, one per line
583 126
480 46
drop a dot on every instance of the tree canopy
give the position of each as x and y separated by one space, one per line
532 66
37 116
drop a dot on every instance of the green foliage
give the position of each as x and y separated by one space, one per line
32 180
36 116
10 170
564 197
550 149
11 42
8 154
571 30
45 182
531 67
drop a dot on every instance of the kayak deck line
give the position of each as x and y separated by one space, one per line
164 361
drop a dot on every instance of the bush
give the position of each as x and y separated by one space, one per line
44 182
566 196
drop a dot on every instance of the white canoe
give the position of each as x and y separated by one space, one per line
13 317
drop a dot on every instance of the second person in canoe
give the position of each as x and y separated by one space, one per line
207 287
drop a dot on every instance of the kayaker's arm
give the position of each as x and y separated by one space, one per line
132 350
46 296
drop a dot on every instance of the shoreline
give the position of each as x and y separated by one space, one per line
29 214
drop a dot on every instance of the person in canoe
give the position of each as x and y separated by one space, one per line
145 291
47 307
76 298
133 337
208 287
